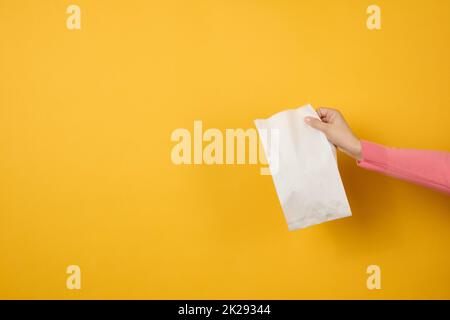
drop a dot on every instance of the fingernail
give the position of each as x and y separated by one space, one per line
307 119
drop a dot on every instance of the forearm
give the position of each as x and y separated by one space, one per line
427 168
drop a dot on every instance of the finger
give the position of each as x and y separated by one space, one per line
326 114
316 123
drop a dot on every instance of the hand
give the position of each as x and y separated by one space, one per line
337 131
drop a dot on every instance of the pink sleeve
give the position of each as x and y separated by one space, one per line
428 168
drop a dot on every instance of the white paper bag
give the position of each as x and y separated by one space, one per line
305 172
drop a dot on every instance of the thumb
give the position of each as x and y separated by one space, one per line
316 123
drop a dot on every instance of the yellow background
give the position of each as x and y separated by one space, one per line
85 170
